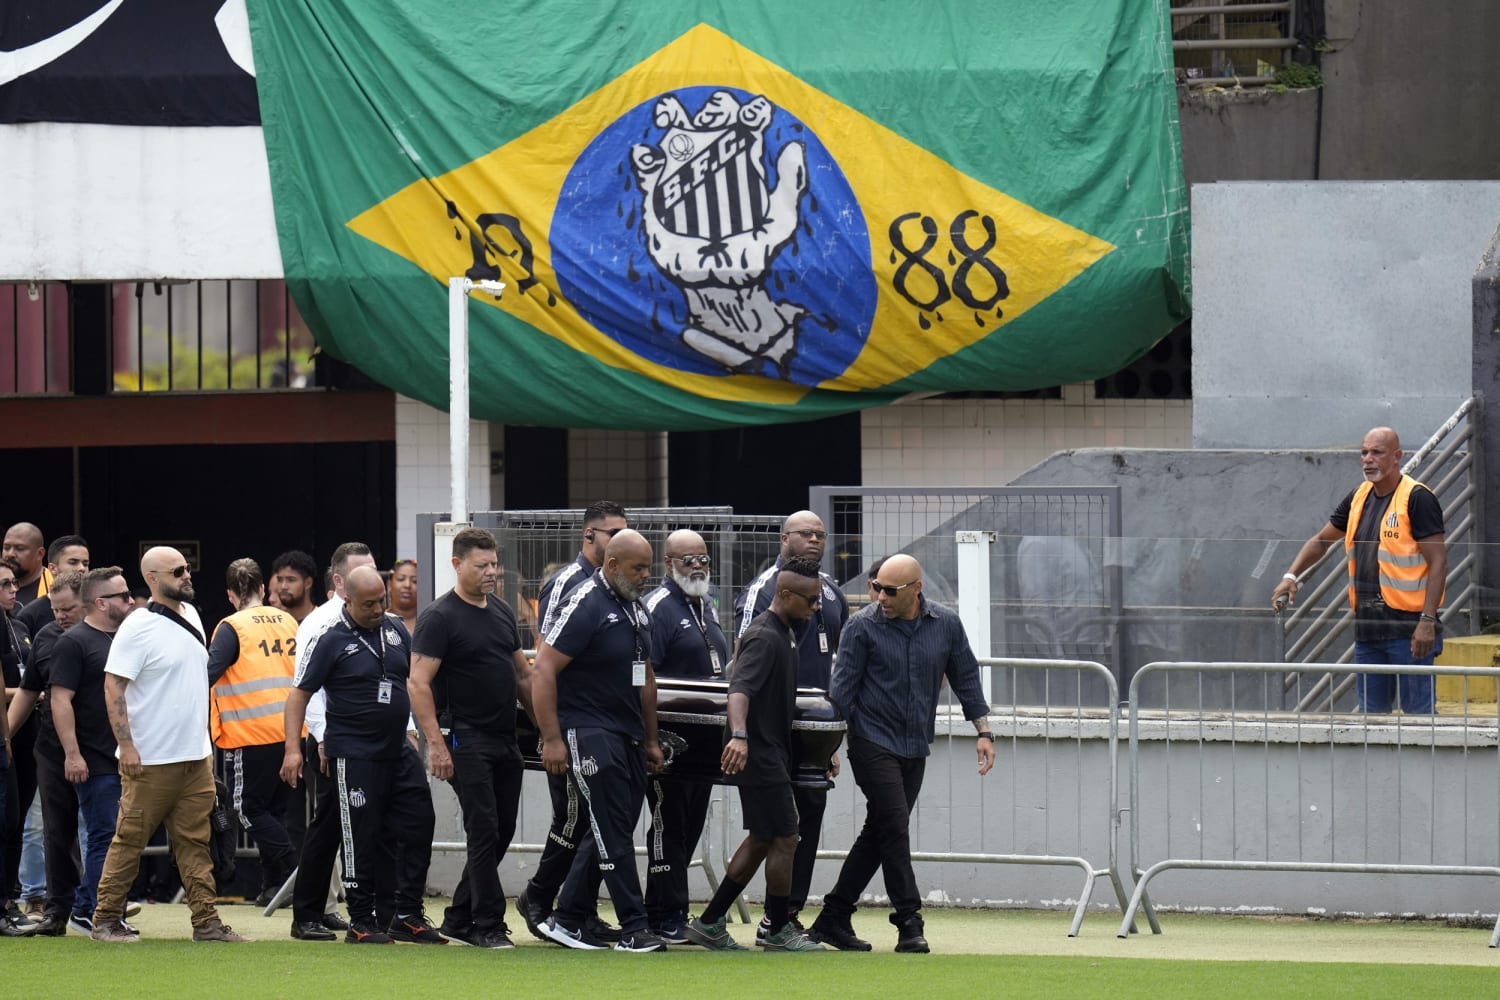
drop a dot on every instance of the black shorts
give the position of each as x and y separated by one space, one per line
770 811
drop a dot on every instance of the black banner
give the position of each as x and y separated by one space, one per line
126 62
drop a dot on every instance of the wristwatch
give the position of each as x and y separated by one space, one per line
739 735
986 735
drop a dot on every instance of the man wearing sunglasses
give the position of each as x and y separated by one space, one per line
86 744
802 537
156 694
891 670
602 520
688 644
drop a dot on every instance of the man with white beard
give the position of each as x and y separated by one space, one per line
689 645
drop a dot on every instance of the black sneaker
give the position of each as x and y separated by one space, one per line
641 942
498 938
366 932
456 932
534 914
582 939
414 929
14 926
601 930
333 921
673 929
838 933
81 923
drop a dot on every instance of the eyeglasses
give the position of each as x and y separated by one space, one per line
10 584
890 590
809 533
695 560
122 595
179 572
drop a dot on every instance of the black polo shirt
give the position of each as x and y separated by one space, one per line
350 664
683 631
765 671
603 634
78 659
476 684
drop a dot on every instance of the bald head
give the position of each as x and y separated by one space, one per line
364 593
899 587
803 537
627 563
691 576
1380 459
24 544
167 575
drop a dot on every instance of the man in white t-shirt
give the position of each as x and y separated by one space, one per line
156 693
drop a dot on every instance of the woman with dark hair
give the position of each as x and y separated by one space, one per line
403 592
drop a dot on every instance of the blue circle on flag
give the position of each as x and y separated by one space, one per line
711 216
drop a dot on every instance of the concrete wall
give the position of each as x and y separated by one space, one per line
1409 90
1323 309
1256 134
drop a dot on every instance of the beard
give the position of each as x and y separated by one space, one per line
691 587
626 588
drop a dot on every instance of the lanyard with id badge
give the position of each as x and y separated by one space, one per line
638 664
385 688
702 623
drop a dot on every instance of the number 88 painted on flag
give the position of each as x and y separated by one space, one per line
969 257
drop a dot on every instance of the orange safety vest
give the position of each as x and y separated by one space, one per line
1403 569
247 704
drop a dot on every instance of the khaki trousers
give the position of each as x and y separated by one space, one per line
181 796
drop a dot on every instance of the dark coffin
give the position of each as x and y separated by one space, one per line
690 718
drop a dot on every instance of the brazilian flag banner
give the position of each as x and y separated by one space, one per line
713 212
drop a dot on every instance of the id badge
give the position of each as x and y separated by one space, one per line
713 661
823 642
638 673
383 693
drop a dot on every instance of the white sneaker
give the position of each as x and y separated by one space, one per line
580 939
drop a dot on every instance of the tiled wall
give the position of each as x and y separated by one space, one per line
628 467
422 481
989 442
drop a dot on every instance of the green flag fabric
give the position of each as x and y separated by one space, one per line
710 213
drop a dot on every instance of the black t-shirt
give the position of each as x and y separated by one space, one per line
1375 621
817 641
36 679
15 648
476 683
603 634
765 670
78 659
37 615
350 665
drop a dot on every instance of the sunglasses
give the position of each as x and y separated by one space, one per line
812 601
122 595
890 590
696 560
179 572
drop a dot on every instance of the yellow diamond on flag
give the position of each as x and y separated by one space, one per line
950 259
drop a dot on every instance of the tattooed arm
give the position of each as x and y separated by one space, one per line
119 723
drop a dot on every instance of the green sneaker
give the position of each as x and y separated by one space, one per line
789 938
714 937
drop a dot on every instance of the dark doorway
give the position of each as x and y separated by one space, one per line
762 470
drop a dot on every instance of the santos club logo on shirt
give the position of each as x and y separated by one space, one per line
356 798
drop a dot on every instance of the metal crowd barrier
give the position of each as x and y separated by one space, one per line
1343 817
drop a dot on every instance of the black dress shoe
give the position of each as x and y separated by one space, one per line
912 944
312 930
836 933
52 925
334 922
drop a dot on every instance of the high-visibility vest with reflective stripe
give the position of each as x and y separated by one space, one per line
1403 568
247 704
